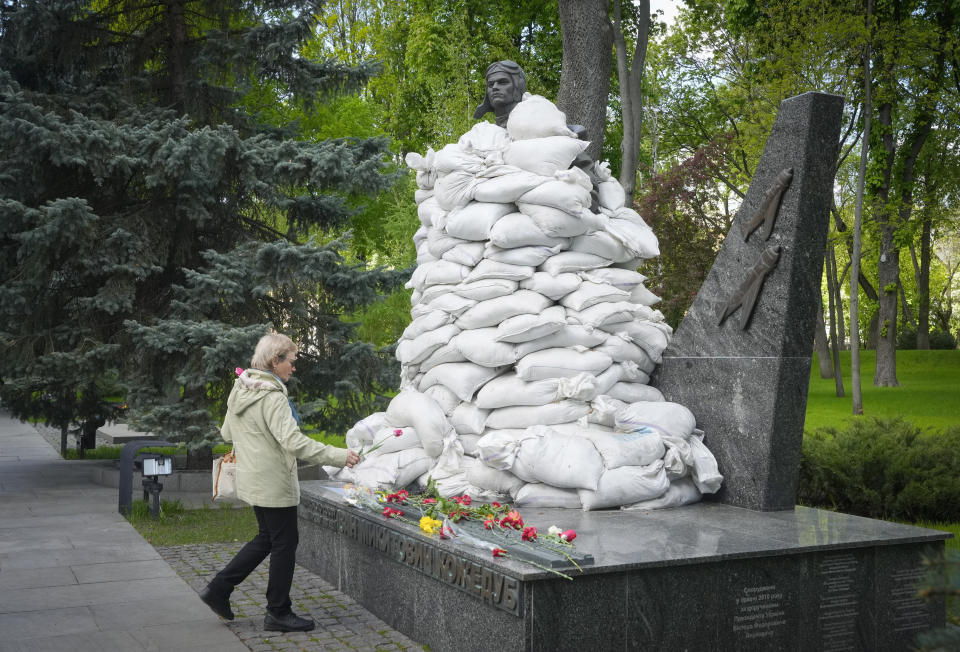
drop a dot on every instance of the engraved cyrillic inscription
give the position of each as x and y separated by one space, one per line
909 611
760 612
839 604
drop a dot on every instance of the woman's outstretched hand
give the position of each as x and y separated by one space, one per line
352 458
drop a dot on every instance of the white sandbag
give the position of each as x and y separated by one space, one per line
570 198
523 416
362 433
448 302
536 117
453 158
445 398
391 471
523 328
421 195
532 255
634 392
416 350
498 448
623 449
639 240
434 292
519 230
449 473
467 253
572 261
392 442
611 194
469 444
554 222
429 321
603 409
505 184
625 485
678 459
462 378
621 348
484 139
522 471
627 213
590 293
430 212
452 190
643 296
537 494
704 470
411 408
438 273
601 243
439 241
561 363
486 477
560 460
473 221
622 279
487 269
603 314
480 346
493 311
468 419
665 417
510 390
552 286
648 336
571 335
544 156
423 257
487 288
447 353
682 492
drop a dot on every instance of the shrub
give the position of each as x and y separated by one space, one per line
907 340
883 468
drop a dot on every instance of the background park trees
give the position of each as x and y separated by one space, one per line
176 175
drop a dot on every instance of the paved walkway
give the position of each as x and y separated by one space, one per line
76 576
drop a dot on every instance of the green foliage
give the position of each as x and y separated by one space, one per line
944 340
180 527
883 468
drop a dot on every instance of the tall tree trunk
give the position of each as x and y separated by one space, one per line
885 374
177 54
923 286
631 92
831 262
585 74
820 344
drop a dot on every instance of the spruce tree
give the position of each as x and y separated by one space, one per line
153 223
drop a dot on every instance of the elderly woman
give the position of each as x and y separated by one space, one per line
261 424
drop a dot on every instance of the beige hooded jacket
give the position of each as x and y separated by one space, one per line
268 441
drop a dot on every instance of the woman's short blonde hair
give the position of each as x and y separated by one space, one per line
271 349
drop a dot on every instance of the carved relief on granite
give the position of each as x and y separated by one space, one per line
767 212
746 295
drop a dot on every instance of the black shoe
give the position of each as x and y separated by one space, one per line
288 623
220 604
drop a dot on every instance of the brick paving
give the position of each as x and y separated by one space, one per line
342 624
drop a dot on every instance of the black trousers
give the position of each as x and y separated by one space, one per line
278 537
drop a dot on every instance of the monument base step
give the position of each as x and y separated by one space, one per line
706 576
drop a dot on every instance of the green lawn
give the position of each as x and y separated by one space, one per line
928 395
177 526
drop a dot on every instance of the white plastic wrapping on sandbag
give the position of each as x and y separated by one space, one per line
362 433
486 477
626 484
510 390
412 408
498 448
561 363
544 156
634 392
480 346
536 117
448 472
462 378
519 230
668 418
603 410
537 494
566 461
468 419
681 492
526 327
493 311
523 416
704 471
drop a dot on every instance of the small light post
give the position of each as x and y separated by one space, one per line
153 466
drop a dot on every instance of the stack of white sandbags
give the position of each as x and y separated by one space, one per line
525 368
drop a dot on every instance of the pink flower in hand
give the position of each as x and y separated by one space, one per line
397 432
238 370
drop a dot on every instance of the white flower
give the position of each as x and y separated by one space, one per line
554 530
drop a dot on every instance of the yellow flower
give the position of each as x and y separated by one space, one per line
429 525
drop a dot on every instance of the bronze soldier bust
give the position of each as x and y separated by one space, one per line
506 83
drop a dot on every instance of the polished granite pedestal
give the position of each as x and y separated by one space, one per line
702 577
